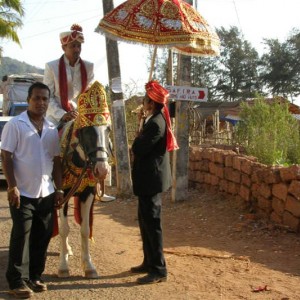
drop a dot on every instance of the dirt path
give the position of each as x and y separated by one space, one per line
214 251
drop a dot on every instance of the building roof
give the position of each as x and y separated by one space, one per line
233 108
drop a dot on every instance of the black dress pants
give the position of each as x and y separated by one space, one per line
149 216
30 236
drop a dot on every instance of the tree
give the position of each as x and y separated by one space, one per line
236 66
11 12
281 66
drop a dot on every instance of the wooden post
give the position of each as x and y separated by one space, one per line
181 156
123 171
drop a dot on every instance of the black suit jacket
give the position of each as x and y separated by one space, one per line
151 172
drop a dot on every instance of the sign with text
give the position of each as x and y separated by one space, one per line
187 93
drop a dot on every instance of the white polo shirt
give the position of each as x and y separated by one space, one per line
32 155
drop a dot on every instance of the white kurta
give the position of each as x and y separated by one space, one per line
55 110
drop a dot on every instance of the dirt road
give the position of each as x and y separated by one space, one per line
214 250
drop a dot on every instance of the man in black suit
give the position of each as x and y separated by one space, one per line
151 175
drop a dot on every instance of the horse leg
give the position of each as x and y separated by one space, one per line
87 265
65 248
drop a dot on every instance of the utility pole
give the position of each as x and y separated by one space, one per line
123 171
182 124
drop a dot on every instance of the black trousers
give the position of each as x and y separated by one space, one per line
30 236
149 216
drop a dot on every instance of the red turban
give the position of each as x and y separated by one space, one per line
160 95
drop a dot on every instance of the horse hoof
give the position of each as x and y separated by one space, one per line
63 273
91 274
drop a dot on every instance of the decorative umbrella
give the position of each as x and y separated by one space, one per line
165 23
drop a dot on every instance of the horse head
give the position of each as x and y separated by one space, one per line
93 126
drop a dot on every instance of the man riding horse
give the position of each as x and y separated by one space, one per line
68 77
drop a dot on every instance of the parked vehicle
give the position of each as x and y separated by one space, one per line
3 121
17 91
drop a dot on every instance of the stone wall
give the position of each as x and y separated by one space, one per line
273 192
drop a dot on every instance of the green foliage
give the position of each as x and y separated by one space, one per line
269 132
11 12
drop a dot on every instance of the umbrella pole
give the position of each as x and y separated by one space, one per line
152 62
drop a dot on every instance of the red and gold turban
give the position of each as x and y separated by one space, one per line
70 36
160 95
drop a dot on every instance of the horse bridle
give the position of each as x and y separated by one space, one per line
88 163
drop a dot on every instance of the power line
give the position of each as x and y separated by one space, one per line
238 18
57 29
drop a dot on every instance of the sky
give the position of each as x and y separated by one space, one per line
45 19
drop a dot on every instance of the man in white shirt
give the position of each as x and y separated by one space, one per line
32 167
68 77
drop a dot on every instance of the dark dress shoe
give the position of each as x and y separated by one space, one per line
22 292
139 269
37 285
152 278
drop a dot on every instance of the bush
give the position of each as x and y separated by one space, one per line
269 132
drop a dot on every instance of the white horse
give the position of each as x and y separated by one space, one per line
85 149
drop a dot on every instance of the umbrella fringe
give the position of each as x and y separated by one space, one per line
177 47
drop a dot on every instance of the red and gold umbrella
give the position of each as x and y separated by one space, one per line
166 23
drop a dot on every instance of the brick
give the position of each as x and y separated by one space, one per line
265 190
204 165
245 192
236 162
293 206
290 173
194 165
232 188
214 180
191 175
228 160
220 171
192 153
199 177
232 175
246 180
207 178
280 190
276 218
219 157
278 206
246 166
257 169
271 175
223 185
291 221
264 204
211 167
255 190
294 189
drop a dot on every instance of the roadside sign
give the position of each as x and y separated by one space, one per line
187 93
